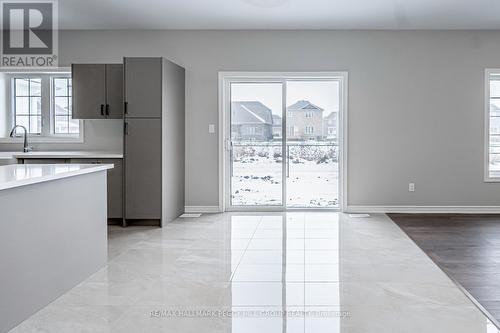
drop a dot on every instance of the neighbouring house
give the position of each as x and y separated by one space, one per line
277 121
330 126
494 132
251 120
304 121
494 119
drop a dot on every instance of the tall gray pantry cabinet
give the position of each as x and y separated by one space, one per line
153 139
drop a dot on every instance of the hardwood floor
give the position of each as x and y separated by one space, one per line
466 247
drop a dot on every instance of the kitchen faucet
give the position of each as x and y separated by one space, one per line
26 148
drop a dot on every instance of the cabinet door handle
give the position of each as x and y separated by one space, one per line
125 128
107 109
125 107
102 109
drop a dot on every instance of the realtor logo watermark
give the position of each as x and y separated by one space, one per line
29 34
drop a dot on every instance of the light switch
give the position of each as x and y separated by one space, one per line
211 128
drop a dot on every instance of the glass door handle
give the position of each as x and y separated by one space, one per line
287 161
228 144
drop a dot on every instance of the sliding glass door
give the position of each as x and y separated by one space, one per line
256 149
312 144
282 142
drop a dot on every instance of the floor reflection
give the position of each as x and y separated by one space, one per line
264 273
311 272
285 277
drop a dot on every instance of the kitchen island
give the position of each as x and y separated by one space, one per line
53 233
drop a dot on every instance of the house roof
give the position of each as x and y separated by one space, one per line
494 110
332 114
276 120
250 112
304 105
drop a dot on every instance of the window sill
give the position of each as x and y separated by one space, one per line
45 139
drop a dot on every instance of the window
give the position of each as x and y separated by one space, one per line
290 114
28 104
61 107
309 114
42 103
492 121
309 130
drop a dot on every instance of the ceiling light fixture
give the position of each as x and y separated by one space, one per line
266 3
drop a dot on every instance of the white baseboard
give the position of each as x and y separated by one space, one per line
424 209
201 209
385 209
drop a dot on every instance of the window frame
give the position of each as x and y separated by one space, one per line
225 80
14 96
53 96
488 73
47 134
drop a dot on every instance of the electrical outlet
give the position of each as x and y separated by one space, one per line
211 128
411 187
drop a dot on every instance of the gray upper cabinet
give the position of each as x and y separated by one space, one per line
143 87
89 91
114 91
97 91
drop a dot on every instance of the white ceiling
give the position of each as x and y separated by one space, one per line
279 14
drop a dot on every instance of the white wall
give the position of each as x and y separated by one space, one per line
98 135
415 101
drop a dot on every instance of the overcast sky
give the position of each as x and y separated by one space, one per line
324 94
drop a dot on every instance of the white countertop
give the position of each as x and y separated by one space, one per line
7 155
60 154
16 175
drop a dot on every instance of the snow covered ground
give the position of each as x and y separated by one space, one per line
312 177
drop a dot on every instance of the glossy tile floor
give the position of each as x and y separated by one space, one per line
265 273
